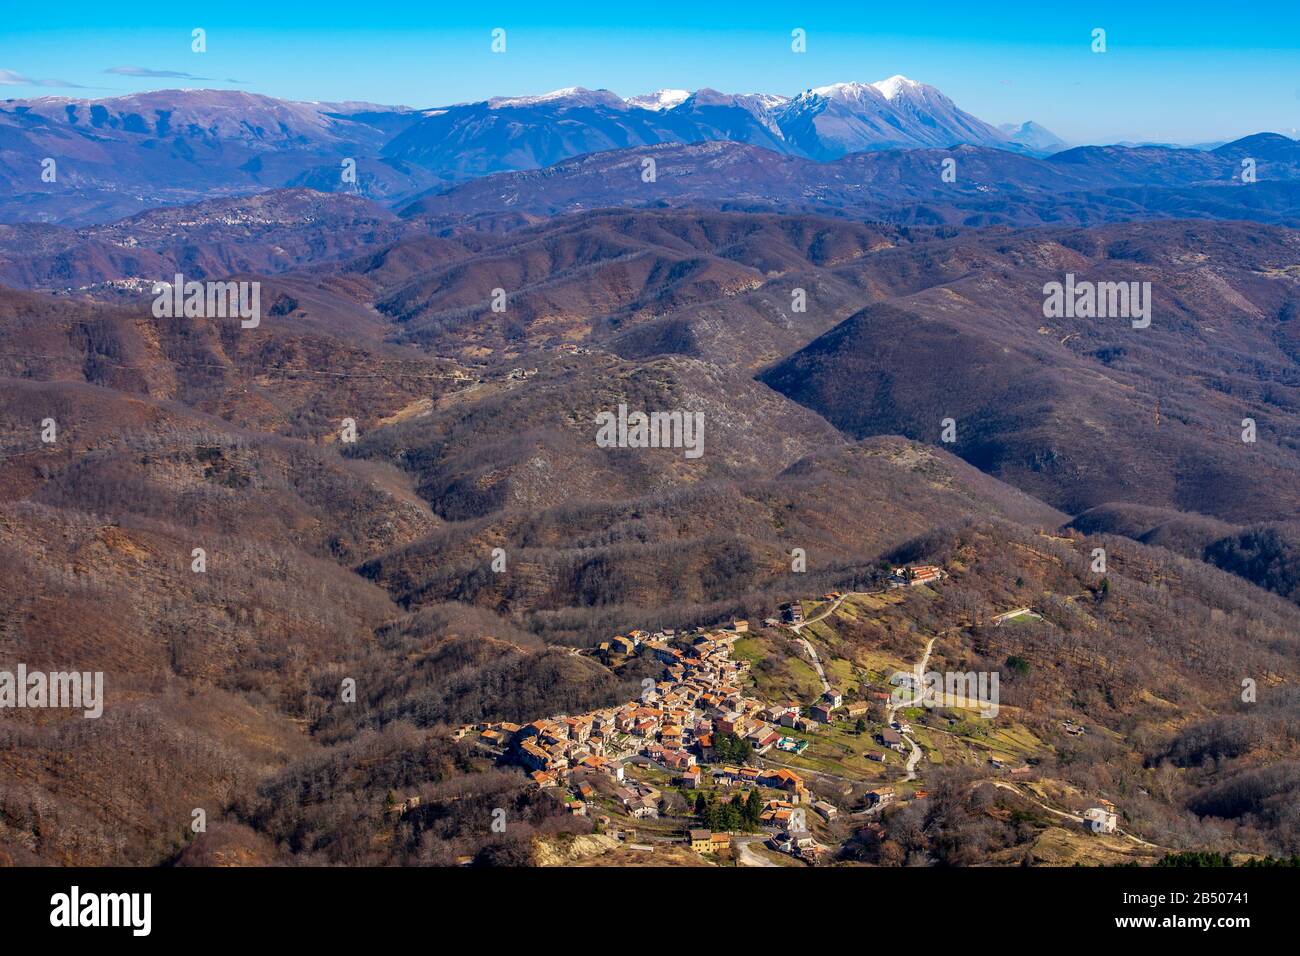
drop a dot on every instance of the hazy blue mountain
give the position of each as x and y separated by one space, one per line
1034 137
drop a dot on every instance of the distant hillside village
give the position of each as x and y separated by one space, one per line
697 714
696 724
698 729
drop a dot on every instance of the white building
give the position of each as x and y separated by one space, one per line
1099 819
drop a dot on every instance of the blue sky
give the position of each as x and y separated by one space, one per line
1180 72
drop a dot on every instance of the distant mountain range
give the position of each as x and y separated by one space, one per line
115 157
1035 137
868 149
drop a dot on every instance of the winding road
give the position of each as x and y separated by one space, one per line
817 662
835 606
812 651
894 705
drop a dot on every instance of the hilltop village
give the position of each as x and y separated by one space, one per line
688 725
697 730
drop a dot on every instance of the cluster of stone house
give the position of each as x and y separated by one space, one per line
917 574
674 725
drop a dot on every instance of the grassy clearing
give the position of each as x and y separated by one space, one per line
776 675
750 649
836 750
974 740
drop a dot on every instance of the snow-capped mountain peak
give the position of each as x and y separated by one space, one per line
895 85
767 101
828 121
854 92
569 96
846 92
659 99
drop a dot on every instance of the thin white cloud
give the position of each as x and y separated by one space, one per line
164 74
145 71
14 78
